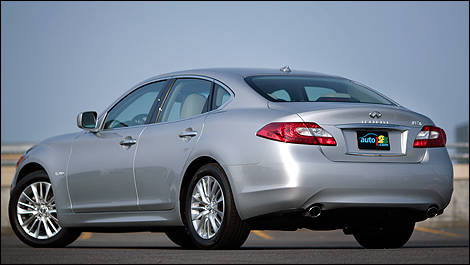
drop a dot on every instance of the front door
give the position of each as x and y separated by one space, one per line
100 174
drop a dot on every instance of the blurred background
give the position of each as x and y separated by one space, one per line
61 58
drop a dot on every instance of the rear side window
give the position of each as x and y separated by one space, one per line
187 98
313 89
220 96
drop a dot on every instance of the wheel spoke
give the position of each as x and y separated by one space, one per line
210 188
40 192
35 211
207 214
213 188
216 218
52 225
204 189
51 200
199 228
46 227
55 220
35 192
36 233
198 199
28 221
219 213
27 197
218 194
23 211
215 227
48 187
206 227
201 214
26 205
197 208
201 193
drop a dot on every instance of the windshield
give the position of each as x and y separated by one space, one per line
313 89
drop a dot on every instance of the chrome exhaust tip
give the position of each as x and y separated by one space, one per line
314 211
431 212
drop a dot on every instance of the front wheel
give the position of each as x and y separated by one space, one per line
386 235
33 214
211 219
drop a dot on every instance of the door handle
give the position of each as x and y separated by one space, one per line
128 141
185 134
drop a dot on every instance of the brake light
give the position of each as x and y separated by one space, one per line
430 136
297 133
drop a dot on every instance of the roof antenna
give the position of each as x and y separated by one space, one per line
285 69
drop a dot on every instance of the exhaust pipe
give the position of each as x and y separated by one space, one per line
314 211
431 212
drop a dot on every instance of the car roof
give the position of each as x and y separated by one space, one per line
232 78
224 72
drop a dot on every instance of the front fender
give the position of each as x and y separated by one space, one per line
53 156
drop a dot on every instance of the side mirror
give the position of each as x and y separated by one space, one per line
87 120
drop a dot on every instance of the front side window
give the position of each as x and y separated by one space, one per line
135 108
313 89
188 97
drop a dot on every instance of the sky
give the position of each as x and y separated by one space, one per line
61 58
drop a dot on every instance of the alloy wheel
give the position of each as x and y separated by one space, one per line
207 207
36 211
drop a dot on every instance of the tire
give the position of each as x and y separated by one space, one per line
232 231
387 235
34 215
181 238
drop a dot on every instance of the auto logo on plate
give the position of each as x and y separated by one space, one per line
375 114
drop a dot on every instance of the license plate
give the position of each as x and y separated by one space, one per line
374 140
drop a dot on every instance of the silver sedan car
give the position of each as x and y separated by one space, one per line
208 155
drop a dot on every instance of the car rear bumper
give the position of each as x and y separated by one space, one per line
299 176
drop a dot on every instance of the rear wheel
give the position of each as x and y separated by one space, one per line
33 214
211 219
386 235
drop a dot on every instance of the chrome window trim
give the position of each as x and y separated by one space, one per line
104 114
205 78
232 95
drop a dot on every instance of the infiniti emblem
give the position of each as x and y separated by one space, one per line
375 114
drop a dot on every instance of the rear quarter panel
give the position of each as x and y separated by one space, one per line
230 138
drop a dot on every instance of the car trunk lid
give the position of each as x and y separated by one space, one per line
347 122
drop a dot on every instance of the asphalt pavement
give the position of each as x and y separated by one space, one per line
427 245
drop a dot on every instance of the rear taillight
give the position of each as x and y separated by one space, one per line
430 136
297 133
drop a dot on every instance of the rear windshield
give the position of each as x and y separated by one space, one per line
313 89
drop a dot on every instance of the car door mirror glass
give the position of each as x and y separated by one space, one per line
87 120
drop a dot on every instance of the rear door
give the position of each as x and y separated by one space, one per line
165 146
